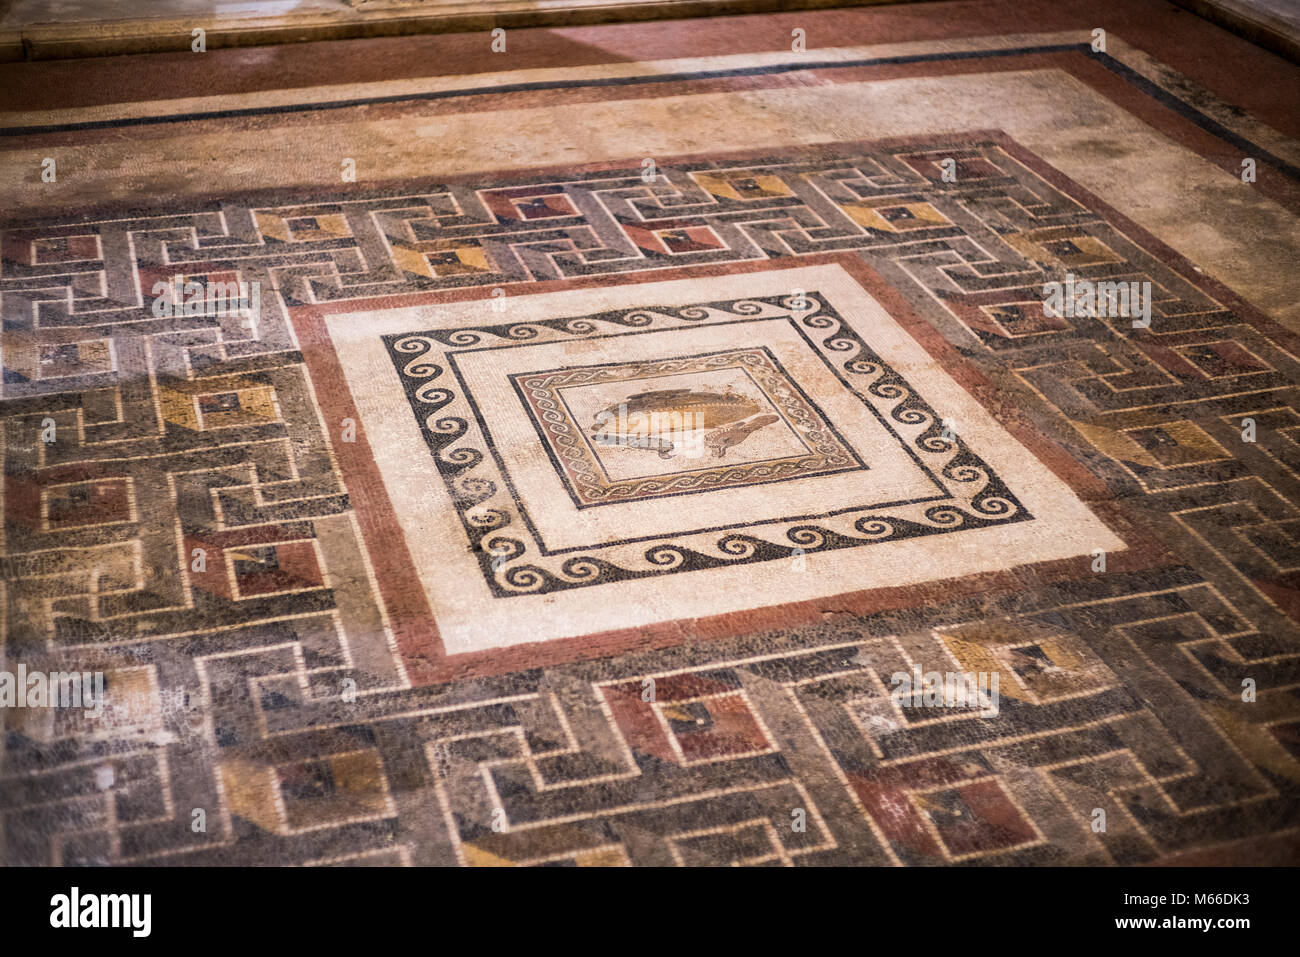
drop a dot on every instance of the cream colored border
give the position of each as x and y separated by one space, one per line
469 618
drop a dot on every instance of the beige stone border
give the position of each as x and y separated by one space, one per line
471 619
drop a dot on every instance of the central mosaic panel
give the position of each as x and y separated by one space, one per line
591 420
712 437
636 430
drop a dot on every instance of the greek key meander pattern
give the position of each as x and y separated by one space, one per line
198 432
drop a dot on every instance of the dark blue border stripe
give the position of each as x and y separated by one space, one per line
529 87
1158 93
1187 111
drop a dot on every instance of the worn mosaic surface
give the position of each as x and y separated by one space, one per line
382 570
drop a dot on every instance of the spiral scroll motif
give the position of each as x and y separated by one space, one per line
513 563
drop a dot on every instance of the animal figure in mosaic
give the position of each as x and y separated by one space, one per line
719 440
648 420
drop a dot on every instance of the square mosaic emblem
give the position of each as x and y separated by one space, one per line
681 425
602 458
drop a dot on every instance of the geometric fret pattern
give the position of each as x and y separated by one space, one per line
189 532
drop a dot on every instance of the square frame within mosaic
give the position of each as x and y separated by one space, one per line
963 491
689 457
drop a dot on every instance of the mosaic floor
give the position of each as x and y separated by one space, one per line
388 568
